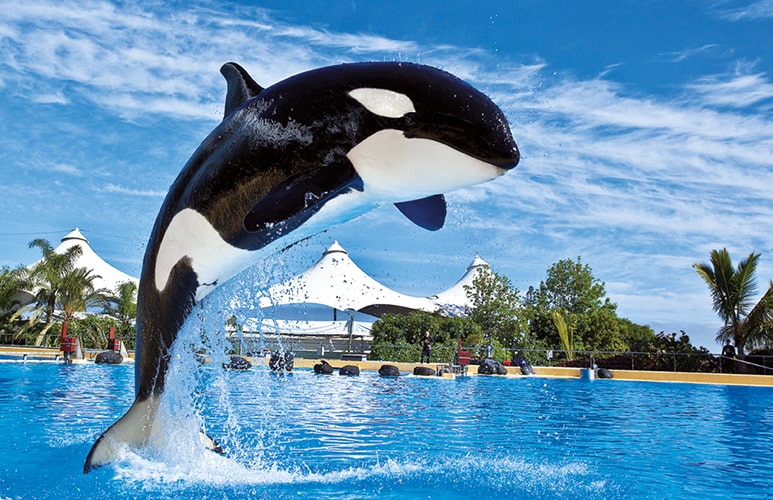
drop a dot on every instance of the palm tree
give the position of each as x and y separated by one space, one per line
123 303
757 327
732 291
11 282
49 275
565 333
77 293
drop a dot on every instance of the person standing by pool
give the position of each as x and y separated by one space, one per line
426 347
728 352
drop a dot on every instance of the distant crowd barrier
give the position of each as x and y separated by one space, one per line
334 347
696 361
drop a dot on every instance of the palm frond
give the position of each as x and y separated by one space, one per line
564 333
757 327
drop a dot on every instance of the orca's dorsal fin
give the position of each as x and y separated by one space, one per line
241 86
429 213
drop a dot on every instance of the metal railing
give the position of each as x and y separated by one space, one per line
696 361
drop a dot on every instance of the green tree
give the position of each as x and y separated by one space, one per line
672 353
93 331
398 337
570 286
122 305
571 289
11 283
497 308
757 327
50 275
732 294
636 336
77 294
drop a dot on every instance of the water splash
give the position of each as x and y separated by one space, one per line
456 477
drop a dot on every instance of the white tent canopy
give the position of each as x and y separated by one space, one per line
109 277
454 299
336 281
319 328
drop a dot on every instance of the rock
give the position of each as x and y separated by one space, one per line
323 368
349 370
423 371
237 363
491 367
108 358
389 371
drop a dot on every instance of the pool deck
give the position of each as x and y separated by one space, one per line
559 372
47 354
41 354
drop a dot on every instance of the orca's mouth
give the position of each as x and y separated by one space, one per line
492 144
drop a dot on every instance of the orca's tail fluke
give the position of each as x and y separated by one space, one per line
132 430
136 429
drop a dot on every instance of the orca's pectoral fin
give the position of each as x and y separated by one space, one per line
429 213
299 192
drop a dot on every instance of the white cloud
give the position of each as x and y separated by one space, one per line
686 54
761 9
61 168
114 188
736 90
51 98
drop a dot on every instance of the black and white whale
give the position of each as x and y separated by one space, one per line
287 162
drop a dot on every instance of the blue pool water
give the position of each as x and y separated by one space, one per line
315 436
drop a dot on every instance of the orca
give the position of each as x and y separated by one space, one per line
286 162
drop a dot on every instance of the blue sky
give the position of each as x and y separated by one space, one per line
646 129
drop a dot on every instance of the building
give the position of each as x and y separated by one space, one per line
108 276
334 303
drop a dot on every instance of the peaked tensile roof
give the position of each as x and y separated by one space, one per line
110 277
336 281
454 299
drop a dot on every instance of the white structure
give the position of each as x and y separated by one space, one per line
454 299
109 277
337 282
334 284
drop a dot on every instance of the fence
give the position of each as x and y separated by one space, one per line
697 361
333 347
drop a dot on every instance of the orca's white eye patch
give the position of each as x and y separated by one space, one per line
383 102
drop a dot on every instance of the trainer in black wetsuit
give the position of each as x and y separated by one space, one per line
728 352
426 348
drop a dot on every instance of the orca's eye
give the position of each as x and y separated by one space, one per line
383 102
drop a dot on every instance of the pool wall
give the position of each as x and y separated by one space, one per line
561 372
16 353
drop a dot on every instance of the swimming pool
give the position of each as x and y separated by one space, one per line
316 436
